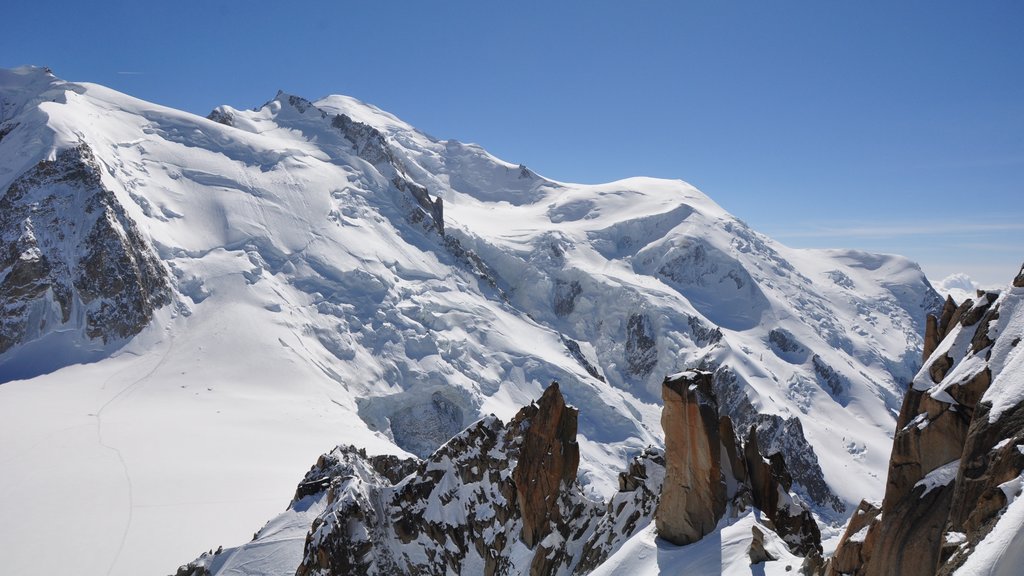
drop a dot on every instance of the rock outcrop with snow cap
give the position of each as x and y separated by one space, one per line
958 456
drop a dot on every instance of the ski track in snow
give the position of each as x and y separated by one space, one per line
120 457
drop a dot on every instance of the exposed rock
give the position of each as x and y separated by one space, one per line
574 350
693 496
776 434
221 116
831 380
641 351
699 447
703 335
1018 281
855 545
936 327
565 297
629 511
770 484
992 458
93 273
784 341
548 459
953 456
476 501
757 553
503 499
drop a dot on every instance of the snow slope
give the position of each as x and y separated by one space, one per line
318 302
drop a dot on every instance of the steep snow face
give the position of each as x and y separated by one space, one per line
341 276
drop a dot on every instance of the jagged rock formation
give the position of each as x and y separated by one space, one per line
97 277
629 510
503 499
957 459
548 459
693 496
777 434
705 472
857 542
491 496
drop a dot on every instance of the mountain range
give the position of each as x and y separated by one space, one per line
196 308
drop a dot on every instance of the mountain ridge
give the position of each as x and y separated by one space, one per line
387 287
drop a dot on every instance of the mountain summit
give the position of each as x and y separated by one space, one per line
198 307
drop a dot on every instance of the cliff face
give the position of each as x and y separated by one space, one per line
693 497
707 472
71 260
956 461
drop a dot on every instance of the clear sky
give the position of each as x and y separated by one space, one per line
886 126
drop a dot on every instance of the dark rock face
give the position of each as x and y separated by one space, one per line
757 553
828 378
548 459
631 509
221 116
770 483
574 350
93 272
641 350
776 434
703 335
503 499
565 297
952 453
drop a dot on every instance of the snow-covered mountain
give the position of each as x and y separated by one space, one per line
196 308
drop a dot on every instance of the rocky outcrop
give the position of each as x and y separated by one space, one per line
548 460
630 510
641 345
707 471
71 259
957 447
770 484
503 499
491 494
776 434
857 542
693 496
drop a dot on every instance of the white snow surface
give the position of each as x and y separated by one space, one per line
1001 553
310 312
939 477
724 551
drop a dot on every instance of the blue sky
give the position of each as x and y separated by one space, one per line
893 127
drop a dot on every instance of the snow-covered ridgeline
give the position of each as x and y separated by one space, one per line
323 294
